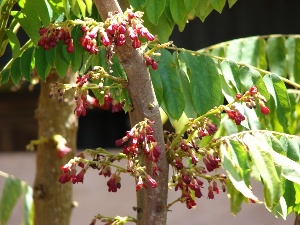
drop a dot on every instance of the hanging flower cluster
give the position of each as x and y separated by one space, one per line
51 35
112 34
139 140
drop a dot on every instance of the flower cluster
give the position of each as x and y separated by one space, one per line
188 183
187 174
211 162
88 40
81 102
110 103
112 32
150 62
253 94
140 137
52 35
249 98
69 173
235 115
57 89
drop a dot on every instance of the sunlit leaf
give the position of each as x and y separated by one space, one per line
28 205
276 54
293 58
263 161
172 88
14 43
204 80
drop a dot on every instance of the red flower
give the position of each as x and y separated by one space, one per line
140 184
80 176
265 110
114 183
210 192
151 181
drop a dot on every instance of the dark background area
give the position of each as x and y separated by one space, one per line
101 128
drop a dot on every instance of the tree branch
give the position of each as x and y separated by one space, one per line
151 202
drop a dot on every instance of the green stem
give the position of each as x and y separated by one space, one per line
172 203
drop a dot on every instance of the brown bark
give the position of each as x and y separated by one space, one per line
151 202
53 202
297 220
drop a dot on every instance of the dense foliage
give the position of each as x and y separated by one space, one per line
233 105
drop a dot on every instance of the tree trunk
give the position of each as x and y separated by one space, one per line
297 220
53 202
151 202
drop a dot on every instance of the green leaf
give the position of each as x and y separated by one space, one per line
234 50
218 5
274 143
289 194
227 90
50 56
189 109
11 192
89 6
4 76
82 7
230 70
26 63
14 43
190 5
62 60
30 29
281 209
157 85
172 88
293 149
234 172
262 159
240 156
42 9
28 205
76 56
203 9
178 11
293 58
204 81
3 46
138 4
290 169
253 52
248 77
231 3
154 9
15 71
278 91
41 64
235 196
164 27
276 54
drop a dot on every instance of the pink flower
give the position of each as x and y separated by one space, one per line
151 181
140 184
